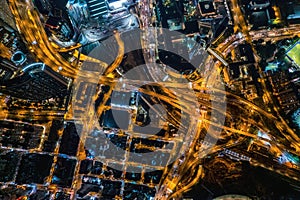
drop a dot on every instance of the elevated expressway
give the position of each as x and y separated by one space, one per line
27 19
286 133
31 28
240 22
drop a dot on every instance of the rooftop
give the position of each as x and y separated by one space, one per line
207 7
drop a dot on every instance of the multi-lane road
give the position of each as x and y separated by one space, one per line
29 25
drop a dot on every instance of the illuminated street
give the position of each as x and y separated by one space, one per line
149 99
